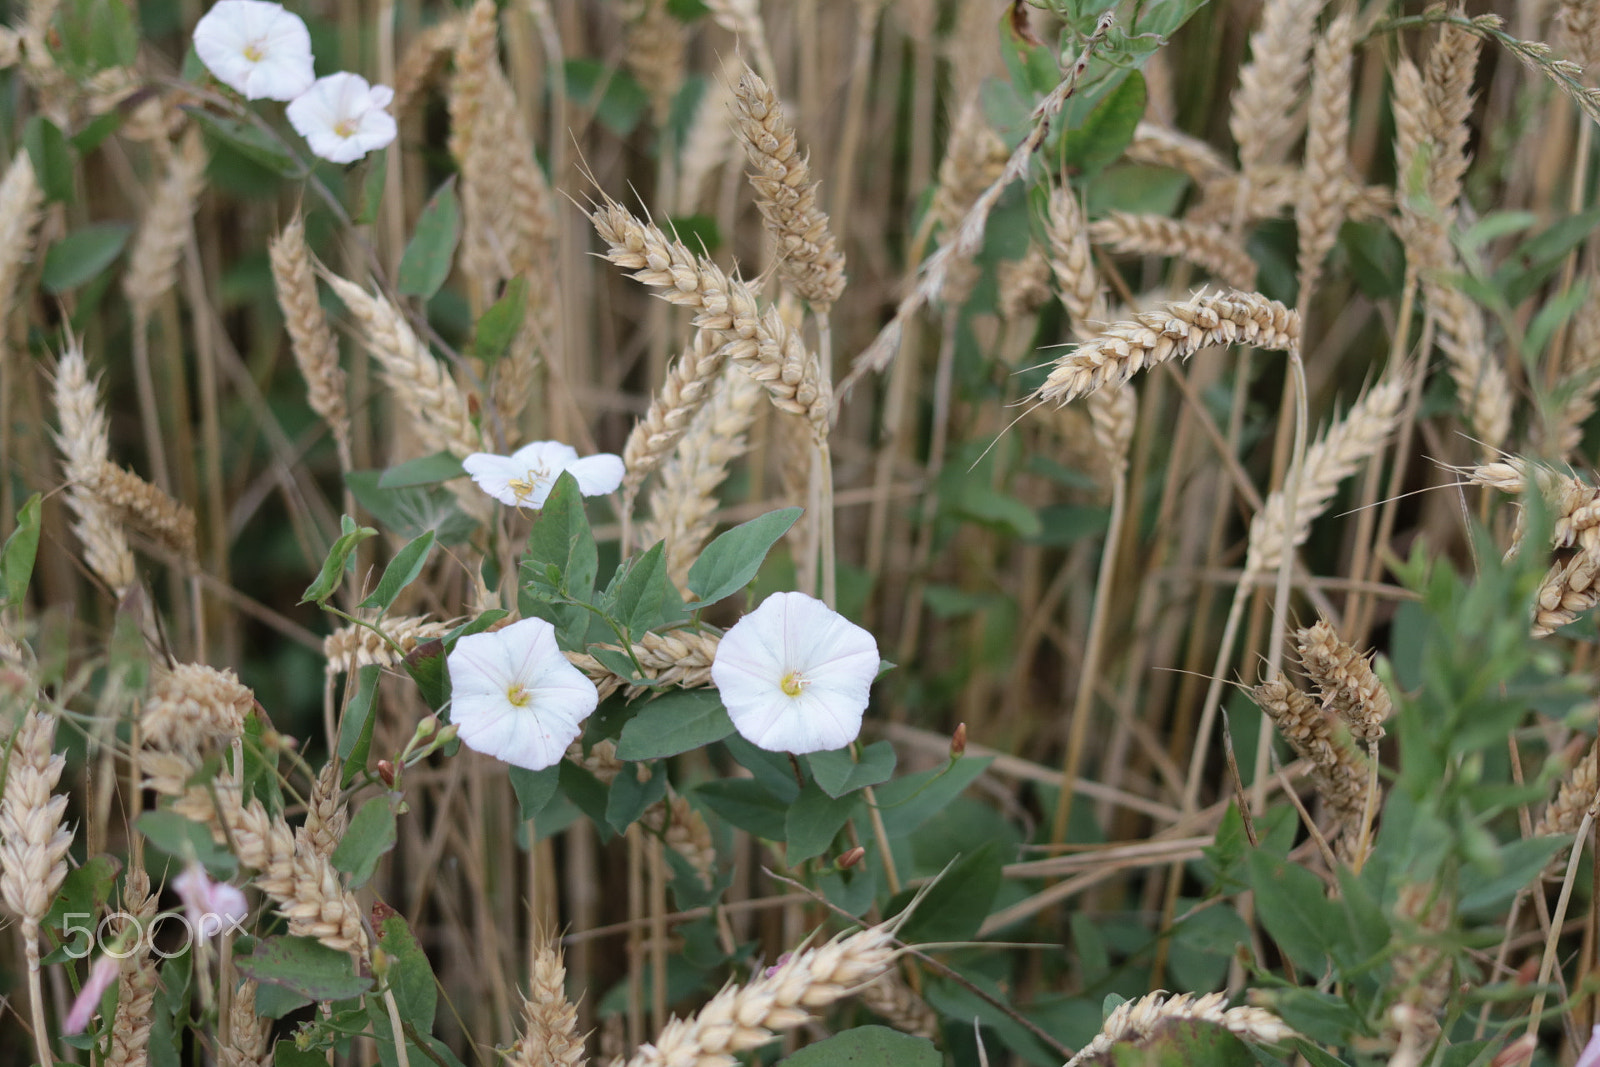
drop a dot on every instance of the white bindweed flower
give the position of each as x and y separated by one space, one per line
342 118
524 478
515 697
794 675
256 48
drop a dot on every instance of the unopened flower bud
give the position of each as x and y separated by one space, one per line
386 772
958 742
850 858
426 728
1521 1051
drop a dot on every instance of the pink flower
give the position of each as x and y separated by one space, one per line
101 977
1590 1056
209 905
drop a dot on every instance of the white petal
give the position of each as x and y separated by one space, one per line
493 474
597 475
485 668
552 456
256 48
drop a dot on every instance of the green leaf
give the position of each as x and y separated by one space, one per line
426 262
906 803
89 36
355 726
611 93
372 187
305 966
186 841
698 233
410 975
1519 863
427 470
561 539
629 796
641 595
333 568
591 796
94 132
1108 130
534 789
956 906
812 823
1377 261
428 666
498 326
1322 1017
838 772
746 804
401 572
251 142
21 548
82 254
51 157
371 833
868 1046
1294 908
410 510
84 891
674 722
729 563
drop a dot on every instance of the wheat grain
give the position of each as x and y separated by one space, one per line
973 159
1573 798
138 505
1345 679
1421 969
326 815
164 229
1331 459
684 830
316 351
192 707
742 18
1320 208
1264 118
1578 32
1137 1022
897 1003
656 42
1072 260
437 408
808 257
1207 247
1339 773
33 837
746 1017
84 449
1174 331
1272 190
1575 397
708 142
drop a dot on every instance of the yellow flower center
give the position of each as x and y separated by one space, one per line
345 128
519 697
525 486
792 683
253 52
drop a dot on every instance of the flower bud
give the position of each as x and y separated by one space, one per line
958 742
386 772
850 858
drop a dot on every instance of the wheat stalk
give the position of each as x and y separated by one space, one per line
1207 247
84 450
808 257
1173 331
316 351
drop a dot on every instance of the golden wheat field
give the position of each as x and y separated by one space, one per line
845 533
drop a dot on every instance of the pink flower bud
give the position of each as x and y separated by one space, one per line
101 977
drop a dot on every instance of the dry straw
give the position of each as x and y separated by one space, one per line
1331 459
1207 247
1173 331
436 406
1138 1022
84 451
164 229
140 506
316 351
740 1018
808 257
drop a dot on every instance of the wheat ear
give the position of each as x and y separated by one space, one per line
1331 459
809 259
248 1043
656 43
437 408
1161 146
1138 1021
327 818
1421 971
742 18
136 982
84 450
679 658
20 202
549 1020
354 646
1264 118
1578 32
1346 680
33 845
687 388
1326 189
1208 247
1173 331
164 230
191 707
316 350
141 506
424 60
746 1017
1339 772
